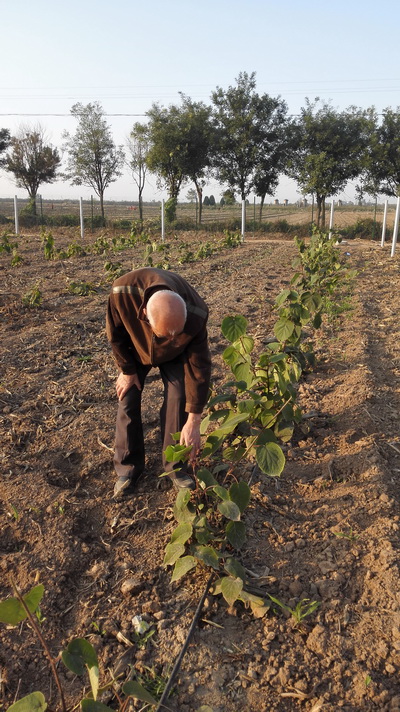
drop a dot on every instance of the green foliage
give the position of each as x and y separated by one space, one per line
113 270
34 702
82 289
33 297
101 245
170 209
79 657
16 258
48 245
364 228
231 239
5 243
13 612
92 157
75 249
250 137
32 161
302 610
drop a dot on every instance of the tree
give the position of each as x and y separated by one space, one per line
93 158
191 195
32 160
330 150
382 166
206 200
5 139
228 196
248 128
138 147
211 200
181 140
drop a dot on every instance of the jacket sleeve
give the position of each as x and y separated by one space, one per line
119 340
197 372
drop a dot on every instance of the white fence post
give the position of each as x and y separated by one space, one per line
396 228
162 221
384 224
331 218
81 217
16 215
243 219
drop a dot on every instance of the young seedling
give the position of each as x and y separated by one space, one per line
302 610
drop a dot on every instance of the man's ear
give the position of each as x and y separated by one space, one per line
144 310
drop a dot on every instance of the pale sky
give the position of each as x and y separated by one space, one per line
129 54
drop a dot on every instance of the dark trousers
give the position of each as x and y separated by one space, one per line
129 442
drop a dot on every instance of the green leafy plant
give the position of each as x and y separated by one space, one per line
113 270
82 289
48 245
100 246
5 244
231 239
16 258
75 249
302 610
33 297
79 657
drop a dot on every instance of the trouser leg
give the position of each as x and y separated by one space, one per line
129 443
172 413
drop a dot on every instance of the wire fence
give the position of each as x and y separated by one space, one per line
121 214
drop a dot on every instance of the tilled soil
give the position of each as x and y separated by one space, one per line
327 530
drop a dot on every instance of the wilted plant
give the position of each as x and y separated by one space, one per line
33 297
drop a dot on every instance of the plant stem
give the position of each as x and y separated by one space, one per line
44 644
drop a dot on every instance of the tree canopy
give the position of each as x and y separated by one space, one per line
330 149
5 139
93 158
138 145
32 160
180 145
382 167
250 132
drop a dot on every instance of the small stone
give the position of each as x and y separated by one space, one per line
150 607
131 586
295 588
384 498
300 543
326 566
289 546
390 669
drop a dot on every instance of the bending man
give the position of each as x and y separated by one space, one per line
155 318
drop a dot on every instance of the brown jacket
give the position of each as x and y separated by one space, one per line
133 341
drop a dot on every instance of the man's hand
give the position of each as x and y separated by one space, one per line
125 381
190 434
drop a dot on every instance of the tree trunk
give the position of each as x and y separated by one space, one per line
261 206
319 209
101 196
199 191
140 205
323 213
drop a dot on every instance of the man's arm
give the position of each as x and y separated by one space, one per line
190 434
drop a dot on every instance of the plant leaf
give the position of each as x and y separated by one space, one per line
231 589
283 329
182 566
233 327
138 692
270 459
182 533
222 492
240 493
34 702
206 477
208 555
88 705
13 612
236 534
229 509
80 652
234 568
172 552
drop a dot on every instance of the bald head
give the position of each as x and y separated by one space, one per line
166 312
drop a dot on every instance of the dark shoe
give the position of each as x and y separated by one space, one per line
122 486
181 480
